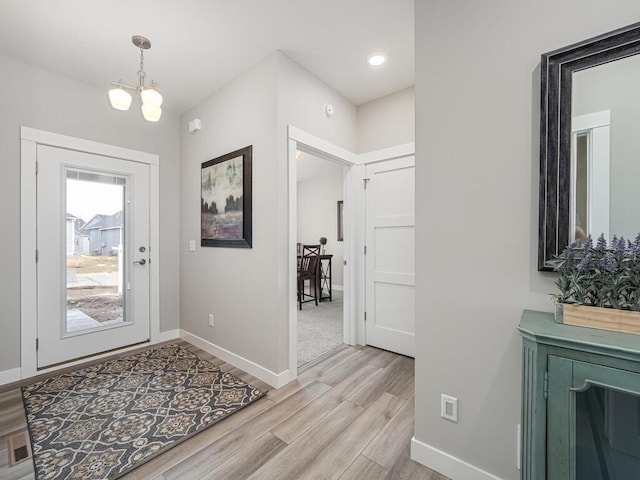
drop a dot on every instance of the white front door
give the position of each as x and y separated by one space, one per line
93 254
390 255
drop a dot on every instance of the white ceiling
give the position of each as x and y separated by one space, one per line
200 45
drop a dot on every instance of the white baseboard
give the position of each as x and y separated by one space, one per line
276 380
10 376
446 464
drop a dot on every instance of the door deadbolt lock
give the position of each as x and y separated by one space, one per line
142 249
140 262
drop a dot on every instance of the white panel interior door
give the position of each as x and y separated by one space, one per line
93 254
390 257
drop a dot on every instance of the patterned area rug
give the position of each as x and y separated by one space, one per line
105 420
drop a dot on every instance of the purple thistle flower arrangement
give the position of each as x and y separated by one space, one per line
600 275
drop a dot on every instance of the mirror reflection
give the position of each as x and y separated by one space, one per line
605 150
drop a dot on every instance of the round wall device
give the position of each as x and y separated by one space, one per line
329 110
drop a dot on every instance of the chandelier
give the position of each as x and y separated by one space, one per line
120 98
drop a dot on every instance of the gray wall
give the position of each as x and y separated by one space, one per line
387 121
614 86
477 114
301 99
235 284
317 216
37 99
246 290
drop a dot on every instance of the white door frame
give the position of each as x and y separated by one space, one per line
354 224
306 142
29 140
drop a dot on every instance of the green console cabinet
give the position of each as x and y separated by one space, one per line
580 401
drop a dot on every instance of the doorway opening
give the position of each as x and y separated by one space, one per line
396 165
320 247
590 176
339 167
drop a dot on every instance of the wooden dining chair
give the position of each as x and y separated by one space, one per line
314 250
308 250
308 271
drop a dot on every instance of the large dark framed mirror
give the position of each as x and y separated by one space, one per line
589 141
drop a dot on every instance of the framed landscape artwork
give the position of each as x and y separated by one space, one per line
225 200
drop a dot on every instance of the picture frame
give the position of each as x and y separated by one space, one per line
340 221
226 200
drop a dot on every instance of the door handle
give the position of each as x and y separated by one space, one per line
140 262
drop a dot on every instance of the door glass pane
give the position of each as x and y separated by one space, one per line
95 238
607 435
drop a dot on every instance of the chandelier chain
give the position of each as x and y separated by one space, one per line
141 73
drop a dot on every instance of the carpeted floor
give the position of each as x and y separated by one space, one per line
105 420
319 328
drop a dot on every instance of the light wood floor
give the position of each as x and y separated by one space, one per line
348 417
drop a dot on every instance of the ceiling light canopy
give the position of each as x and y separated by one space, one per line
376 59
120 98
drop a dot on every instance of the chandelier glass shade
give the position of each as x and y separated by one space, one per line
120 99
151 100
151 96
151 113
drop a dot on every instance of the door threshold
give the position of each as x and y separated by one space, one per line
78 359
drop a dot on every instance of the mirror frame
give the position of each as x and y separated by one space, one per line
556 70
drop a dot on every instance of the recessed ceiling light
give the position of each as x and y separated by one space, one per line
376 59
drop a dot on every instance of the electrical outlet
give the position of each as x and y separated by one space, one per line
211 319
192 245
449 408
